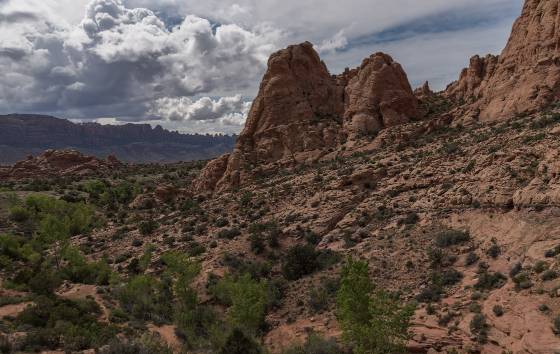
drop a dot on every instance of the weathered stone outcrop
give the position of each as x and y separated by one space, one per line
60 163
525 77
301 112
378 95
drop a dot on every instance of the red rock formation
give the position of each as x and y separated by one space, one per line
301 112
60 163
297 108
378 95
525 77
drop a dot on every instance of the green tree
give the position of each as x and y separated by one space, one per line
54 231
373 321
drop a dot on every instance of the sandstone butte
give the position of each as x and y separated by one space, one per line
302 112
59 163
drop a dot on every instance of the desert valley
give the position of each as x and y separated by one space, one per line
354 214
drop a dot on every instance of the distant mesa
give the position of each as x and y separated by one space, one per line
22 135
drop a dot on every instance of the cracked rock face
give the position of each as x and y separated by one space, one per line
525 77
301 111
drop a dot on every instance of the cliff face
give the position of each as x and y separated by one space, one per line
526 75
23 135
302 112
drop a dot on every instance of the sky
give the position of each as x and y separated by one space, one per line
195 66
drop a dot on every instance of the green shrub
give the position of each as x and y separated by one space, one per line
494 251
237 342
146 298
19 214
522 281
318 299
447 277
549 275
5 345
239 266
409 219
431 293
498 310
479 327
540 267
552 252
300 261
229 234
451 238
489 281
56 322
471 259
257 243
44 283
247 300
148 227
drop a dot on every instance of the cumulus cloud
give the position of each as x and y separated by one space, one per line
203 109
339 41
121 62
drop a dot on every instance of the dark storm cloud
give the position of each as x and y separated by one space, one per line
124 62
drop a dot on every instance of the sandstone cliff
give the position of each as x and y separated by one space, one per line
525 77
302 112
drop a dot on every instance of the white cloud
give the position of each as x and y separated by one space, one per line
203 109
119 61
170 61
339 41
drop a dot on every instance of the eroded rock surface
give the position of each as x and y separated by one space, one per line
526 75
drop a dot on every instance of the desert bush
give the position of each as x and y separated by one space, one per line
447 277
522 281
19 214
146 298
318 299
540 267
517 267
498 310
79 270
549 275
451 238
239 266
409 219
553 252
70 323
300 261
148 227
489 281
494 250
229 234
237 342
315 344
471 259
479 327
